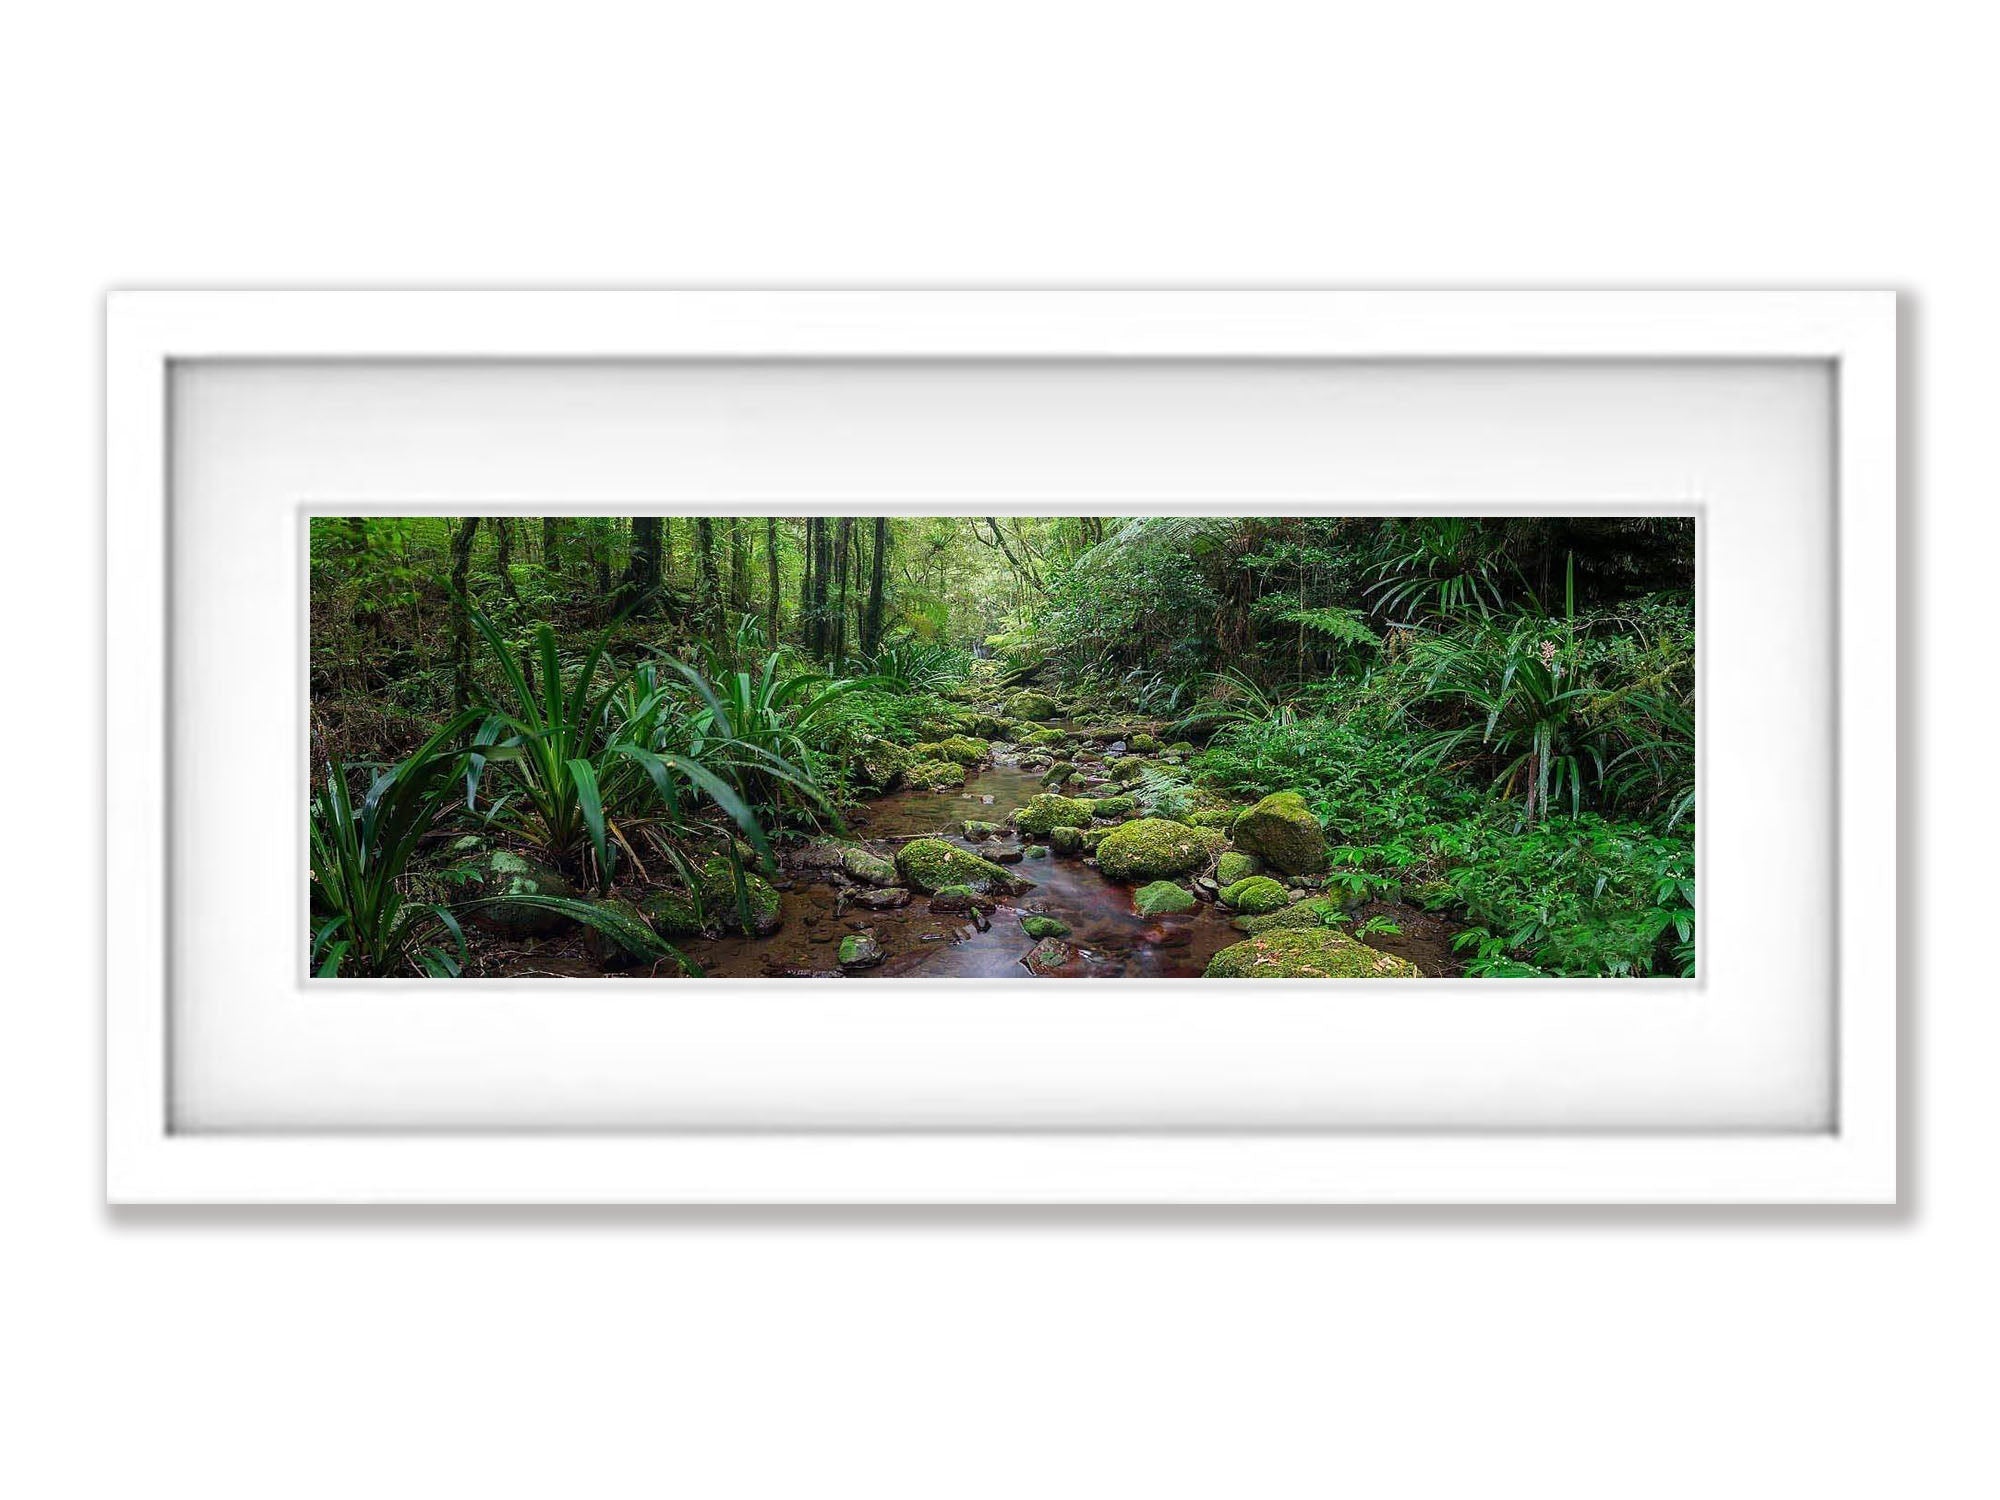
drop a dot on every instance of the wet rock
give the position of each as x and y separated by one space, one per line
976 830
673 914
821 854
1004 854
1160 898
889 899
1036 851
960 749
621 936
760 912
1206 888
502 875
1046 811
1112 807
860 951
935 775
1143 744
869 869
1313 912
1127 771
1066 840
1030 704
1161 935
1182 747
931 865
961 898
1307 953
1154 849
1283 832
1050 956
1037 925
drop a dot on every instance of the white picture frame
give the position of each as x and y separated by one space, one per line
1850 1158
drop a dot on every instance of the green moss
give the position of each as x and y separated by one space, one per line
1044 737
1127 771
1154 848
1112 807
1283 831
877 764
935 775
869 869
1035 851
673 914
1057 772
959 749
1029 704
1049 956
1161 897
1066 840
1046 812
1232 867
1255 895
931 865
1044 927
718 888
1301 953
977 828
621 935
1142 744
1181 747
860 951
504 873
1312 913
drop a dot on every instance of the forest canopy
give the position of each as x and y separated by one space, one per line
667 744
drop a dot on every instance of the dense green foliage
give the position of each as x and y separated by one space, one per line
1491 719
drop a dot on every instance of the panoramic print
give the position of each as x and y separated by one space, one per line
1001 747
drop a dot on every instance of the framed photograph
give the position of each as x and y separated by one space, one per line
1001 747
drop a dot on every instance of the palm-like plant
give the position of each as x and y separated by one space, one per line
575 769
1440 566
363 920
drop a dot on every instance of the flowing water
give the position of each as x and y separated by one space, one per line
1109 938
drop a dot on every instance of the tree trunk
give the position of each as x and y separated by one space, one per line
642 568
871 626
461 610
504 531
771 572
708 586
551 544
843 538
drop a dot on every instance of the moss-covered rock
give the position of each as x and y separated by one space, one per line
501 874
1128 770
1283 832
673 914
931 865
1066 840
1046 811
1142 744
1044 737
1029 704
1315 911
1112 807
1037 926
1050 956
869 869
765 912
1181 747
1255 895
960 749
621 935
1058 772
1035 851
859 950
1160 898
990 727
1153 849
1307 953
876 765
935 775
1232 866
977 828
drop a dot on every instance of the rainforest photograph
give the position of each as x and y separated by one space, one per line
1001 747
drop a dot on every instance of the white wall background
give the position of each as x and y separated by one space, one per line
1450 1353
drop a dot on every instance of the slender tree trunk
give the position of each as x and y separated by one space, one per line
642 567
461 610
708 588
807 619
551 544
843 539
503 530
771 573
871 629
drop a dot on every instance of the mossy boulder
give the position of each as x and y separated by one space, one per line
1282 831
673 914
502 874
869 869
1058 772
977 829
1050 956
1112 807
932 865
1255 895
1037 926
859 950
1045 737
1127 771
876 764
1035 851
1307 953
935 775
1154 849
1181 747
766 909
1142 744
960 749
1066 840
622 935
1047 811
1233 866
1029 704
1313 912
1161 897
990 727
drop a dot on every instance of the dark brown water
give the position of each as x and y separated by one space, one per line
1109 938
